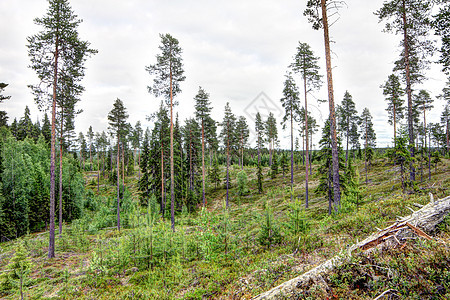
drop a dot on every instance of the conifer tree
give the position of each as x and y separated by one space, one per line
118 127
411 19
46 129
136 137
202 112
90 140
346 116
441 24
368 134
144 181
25 126
228 139
320 21
214 173
169 74
393 92
291 105
259 129
271 134
306 64
60 38
243 135
3 116
425 102
325 156
445 121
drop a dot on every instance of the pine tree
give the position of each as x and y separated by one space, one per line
118 127
291 105
306 64
411 19
59 37
318 22
90 140
243 135
136 137
393 92
169 74
202 112
445 121
441 24
369 137
228 139
271 134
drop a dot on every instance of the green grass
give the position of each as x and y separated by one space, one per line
94 262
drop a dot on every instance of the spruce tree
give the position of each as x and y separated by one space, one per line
118 127
169 74
144 181
25 126
271 134
243 134
202 112
259 129
228 139
425 102
60 38
369 137
3 116
291 105
346 116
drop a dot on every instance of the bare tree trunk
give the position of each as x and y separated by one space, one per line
292 155
408 92
60 177
307 145
334 149
172 170
163 200
118 182
203 165
51 246
228 161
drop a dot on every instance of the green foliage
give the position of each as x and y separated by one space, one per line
274 166
16 272
242 183
259 176
269 234
298 222
401 156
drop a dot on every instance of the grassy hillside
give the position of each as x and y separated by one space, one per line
259 242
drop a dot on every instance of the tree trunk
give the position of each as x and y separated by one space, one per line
395 129
203 165
307 146
172 171
292 155
118 182
334 149
163 200
228 161
408 92
365 153
51 246
60 177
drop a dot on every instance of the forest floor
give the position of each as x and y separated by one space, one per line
260 241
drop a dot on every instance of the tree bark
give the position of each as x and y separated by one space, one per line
334 149
203 165
51 246
118 182
307 145
412 173
228 160
292 155
172 171
60 175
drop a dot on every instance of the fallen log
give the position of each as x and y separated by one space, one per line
420 223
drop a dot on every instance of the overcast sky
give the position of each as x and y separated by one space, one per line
238 51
